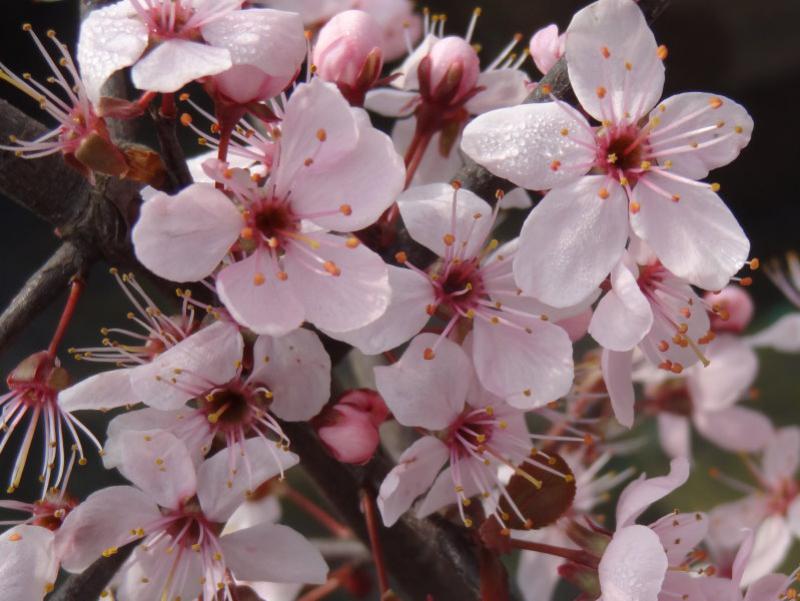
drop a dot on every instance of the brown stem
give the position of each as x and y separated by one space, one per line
178 175
371 519
90 583
575 555
335 527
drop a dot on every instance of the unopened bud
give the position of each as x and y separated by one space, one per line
348 50
735 309
349 429
453 69
546 48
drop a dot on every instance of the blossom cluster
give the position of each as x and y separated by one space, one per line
306 230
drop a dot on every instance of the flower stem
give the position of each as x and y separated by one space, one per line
66 316
371 517
575 555
336 528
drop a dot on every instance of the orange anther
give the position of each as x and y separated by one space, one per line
662 52
283 276
332 268
555 165
322 135
448 239
635 206
746 281
186 119
259 279
246 233
346 209
601 92
352 242
605 52
401 257
715 102
428 354
602 193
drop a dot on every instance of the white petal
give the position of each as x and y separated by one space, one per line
727 378
414 473
674 434
730 522
623 317
110 39
735 428
782 456
782 335
603 40
28 565
633 566
184 237
526 145
504 87
423 392
174 63
697 238
616 369
439 163
773 539
390 102
297 371
273 553
571 241
641 493
266 510
107 390
680 533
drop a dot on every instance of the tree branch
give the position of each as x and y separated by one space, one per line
94 579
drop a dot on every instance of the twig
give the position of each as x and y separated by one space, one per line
371 519
178 175
94 579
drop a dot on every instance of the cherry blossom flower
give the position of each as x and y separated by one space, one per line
518 353
81 136
771 510
333 171
349 428
178 512
546 47
289 378
472 429
28 563
622 176
170 43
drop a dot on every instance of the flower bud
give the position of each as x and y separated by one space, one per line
450 71
348 51
546 48
349 429
732 309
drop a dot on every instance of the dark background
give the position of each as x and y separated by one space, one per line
744 49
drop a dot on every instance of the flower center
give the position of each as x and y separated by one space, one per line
234 407
459 285
190 528
50 512
620 152
469 434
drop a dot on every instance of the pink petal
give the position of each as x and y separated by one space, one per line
422 392
28 565
697 238
390 102
773 539
103 391
297 371
546 47
713 148
529 364
504 87
442 493
781 456
633 566
623 317
680 533
367 180
319 125
742 557
405 316
517 198
571 241
109 40
537 574
782 335
685 585
339 303
603 40
266 510
729 523
184 237
413 475
174 63
145 575
525 144
427 213
674 434
223 486
735 428
435 166
209 355
159 463
641 493
767 588
408 78
273 553
616 369
102 521
727 378
793 517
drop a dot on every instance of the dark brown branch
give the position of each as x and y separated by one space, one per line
172 154
92 581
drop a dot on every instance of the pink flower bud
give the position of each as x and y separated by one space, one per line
450 71
546 48
732 309
577 325
349 429
348 50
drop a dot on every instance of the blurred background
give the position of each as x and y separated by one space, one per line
746 50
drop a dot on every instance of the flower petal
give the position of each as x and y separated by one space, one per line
692 150
727 378
442 493
526 144
184 237
104 520
414 473
633 566
222 487
781 456
427 213
697 238
782 335
616 368
297 371
680 533
390 102
28 565
504 87
107 390
405 316
613 61
439 163
729 523
767 588
623 317
109 40
358 295
641 493
674 434
174 63
528 363
773 539
273 553
422 392
571 241
735 428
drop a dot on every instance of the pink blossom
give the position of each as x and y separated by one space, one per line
349 429
467 427
546 47
280 266
170 43
643 177
178 512
771 509
518 354
28 563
